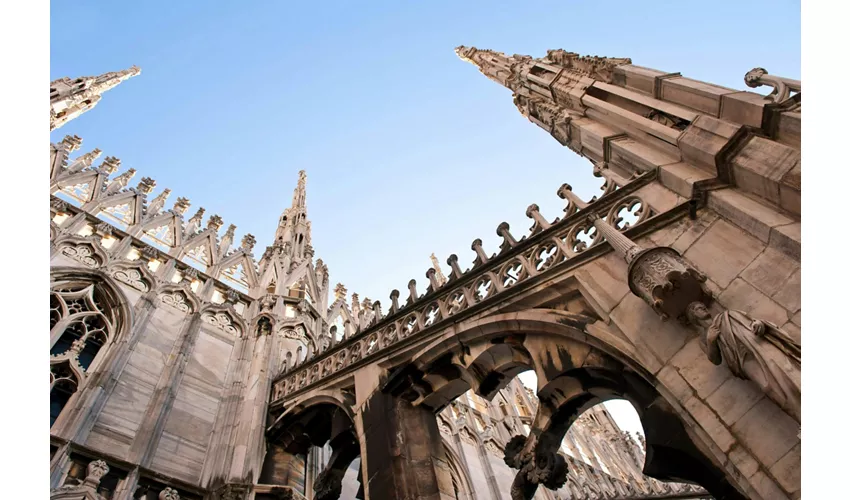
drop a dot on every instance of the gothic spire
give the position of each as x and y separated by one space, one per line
71 98
548 90
293 230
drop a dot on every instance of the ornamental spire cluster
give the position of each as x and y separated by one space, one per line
293 230
71 98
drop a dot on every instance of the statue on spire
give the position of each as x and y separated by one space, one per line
293 230
71 98
441 278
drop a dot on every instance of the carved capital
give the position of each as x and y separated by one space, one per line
667 282
95 472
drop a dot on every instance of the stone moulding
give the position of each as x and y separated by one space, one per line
411 320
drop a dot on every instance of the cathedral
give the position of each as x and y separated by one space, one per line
183 366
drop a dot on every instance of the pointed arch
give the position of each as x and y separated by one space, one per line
88 315
179 296
86 250
461 482
134 274
225 318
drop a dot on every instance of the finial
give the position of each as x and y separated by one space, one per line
157 203
146 185
540 222
414 296
198 215
119 182
574 203
181 205
109 165
394 298
248 242
782 87
431 274
95 471
71 143
504 231
481 257
214 223
456 272
340 291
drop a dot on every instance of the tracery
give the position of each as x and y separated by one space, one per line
83 320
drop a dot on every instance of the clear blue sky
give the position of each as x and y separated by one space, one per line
408 150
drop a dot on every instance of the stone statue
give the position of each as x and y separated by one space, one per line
753 350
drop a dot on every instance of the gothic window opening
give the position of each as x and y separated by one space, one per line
63 385
83 319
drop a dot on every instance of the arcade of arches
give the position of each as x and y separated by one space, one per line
182 367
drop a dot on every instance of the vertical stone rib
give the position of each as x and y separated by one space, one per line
150 431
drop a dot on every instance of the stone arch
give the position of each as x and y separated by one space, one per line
85 250
323 419
135 275
225 318
579 363
89 315
179 296
254 325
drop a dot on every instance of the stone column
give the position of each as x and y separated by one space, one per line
404 456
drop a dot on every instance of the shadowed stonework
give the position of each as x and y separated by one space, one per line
183 367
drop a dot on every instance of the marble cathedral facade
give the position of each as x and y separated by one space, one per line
168 336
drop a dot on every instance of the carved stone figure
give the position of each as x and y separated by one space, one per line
754 350
535 466
328 485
